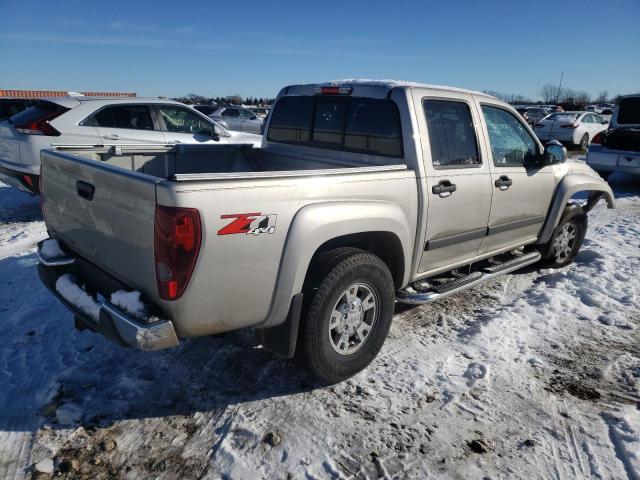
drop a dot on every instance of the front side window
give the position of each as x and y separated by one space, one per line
246 113
451 134
181 120
511 143
133 117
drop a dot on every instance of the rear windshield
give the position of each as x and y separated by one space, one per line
365 125
629 111
9 108
40 110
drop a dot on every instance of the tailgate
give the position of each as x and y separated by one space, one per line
103 213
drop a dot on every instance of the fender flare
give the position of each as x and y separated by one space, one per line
314 225
570 185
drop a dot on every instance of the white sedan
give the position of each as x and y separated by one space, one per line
574 128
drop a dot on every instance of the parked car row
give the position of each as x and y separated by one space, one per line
102 121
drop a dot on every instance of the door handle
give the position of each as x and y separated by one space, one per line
444 188
113 136
504 182
85 190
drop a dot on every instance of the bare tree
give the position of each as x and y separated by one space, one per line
234 99
602 96
548 93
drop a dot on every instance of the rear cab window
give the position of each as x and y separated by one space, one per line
352 124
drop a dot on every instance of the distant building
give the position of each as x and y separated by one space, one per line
59 93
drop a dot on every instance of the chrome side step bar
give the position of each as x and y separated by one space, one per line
412 296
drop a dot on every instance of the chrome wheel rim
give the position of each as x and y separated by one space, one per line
564 242
353 318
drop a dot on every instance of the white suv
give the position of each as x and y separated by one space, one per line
100 121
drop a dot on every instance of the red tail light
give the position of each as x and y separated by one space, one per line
569 125
40 126
177 236
597 140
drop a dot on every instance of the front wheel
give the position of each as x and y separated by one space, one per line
567 237
348 315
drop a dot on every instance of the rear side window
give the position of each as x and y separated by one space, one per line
133 117
629 111
451 134
36 113
363 125
230 112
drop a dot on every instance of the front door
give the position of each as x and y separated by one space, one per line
458 192
521 196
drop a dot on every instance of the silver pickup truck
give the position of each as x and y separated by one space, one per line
363 193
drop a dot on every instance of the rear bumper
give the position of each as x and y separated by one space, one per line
111 322
605 160
562 136
25 179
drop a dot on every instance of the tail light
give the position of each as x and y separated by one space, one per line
40 126
177 236
569 125
597 139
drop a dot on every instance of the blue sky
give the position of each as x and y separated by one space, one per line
256 47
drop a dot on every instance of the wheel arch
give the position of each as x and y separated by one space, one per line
571 185
379 227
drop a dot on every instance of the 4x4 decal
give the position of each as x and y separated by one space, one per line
249 223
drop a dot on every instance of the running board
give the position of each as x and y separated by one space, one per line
412 296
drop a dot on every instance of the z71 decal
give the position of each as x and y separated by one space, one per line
249 223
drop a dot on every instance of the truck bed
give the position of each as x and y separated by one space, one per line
180 162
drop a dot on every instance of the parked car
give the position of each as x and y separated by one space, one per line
363 192
205 109
573 128
606 114
99 120
238 119
10 106
261 112
618 148
532 115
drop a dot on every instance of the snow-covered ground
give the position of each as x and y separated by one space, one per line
536 375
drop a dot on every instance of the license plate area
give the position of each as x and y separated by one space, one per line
629 161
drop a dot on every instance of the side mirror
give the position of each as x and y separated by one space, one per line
554 152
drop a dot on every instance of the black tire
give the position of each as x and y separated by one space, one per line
331 275
556 252
584 142
605 175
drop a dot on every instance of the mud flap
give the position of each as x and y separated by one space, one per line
282 340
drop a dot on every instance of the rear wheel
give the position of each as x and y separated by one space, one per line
584 141
349 312
567 237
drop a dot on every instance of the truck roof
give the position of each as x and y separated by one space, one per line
383 85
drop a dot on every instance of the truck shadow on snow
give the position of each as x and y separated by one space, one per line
54 375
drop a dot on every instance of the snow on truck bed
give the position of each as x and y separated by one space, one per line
536 375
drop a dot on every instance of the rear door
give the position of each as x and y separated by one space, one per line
126 124
103 213
520 195
458 179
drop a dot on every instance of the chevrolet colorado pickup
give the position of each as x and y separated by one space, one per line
363 193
